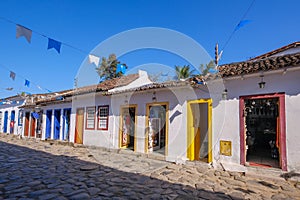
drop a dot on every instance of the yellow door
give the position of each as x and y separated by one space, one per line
79 126
199 130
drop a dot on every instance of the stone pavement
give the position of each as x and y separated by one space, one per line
34 169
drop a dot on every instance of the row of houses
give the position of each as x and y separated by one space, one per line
245 115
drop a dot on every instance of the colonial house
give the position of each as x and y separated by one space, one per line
47 116
136 114
260 124
244 115
11 117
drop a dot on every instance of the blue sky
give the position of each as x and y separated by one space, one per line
86 23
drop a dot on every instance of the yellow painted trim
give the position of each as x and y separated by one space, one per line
191 132
121 125
167 124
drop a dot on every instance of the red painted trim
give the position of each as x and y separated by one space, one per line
281 97
98 117
282 133
242 132
86 118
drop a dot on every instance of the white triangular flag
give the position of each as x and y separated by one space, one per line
23 31
94 59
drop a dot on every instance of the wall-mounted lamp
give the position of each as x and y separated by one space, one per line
224 94
154 97
262 84
126 99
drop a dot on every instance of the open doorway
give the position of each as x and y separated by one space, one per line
262 141
48 124
128 127
26 128
262 123
57 124
199 130
157 124
66 123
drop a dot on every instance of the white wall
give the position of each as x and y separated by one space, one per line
177 128
9 108
226 113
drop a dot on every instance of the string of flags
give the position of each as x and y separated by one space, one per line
27 83
22 31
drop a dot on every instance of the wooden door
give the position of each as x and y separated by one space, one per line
199 123
26 130
32 127
79 126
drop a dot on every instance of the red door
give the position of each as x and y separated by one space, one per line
32 127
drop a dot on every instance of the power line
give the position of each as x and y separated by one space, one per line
45 36
42 35
235 29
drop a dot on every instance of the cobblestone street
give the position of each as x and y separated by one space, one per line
33 169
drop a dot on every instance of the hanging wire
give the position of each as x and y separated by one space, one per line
233 32
45 36
42 35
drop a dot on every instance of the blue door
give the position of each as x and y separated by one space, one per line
12 121
5 122
56 124
48 124
66 123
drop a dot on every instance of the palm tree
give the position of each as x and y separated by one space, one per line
183 72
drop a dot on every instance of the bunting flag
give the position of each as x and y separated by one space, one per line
54 44
121 68
27 83
23 31
12 75
94 59
241 24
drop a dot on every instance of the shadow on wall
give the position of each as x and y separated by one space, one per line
30 173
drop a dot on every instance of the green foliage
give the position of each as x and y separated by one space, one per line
108 68
183 72
204 70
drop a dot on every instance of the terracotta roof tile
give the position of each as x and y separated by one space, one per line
107 85
169 84
254 66
281 49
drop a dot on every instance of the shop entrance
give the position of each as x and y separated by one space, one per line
263 127
157 128
199 130
128 127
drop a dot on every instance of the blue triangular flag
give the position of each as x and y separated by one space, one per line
54 44
121 68
27 83
241 24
